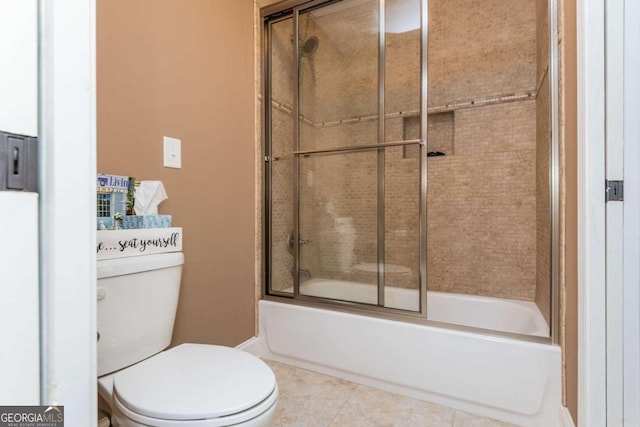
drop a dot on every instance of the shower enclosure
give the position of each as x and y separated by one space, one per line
410 159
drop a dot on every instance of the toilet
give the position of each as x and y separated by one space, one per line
191 385
395 275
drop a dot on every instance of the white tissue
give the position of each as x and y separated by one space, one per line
148 196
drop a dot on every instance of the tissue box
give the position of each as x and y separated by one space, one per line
146 221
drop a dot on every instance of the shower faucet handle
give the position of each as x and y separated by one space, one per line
290 242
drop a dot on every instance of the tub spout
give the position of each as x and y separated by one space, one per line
302 272
305 273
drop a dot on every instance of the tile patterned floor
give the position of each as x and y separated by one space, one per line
308 399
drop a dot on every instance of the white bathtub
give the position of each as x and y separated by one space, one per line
499 314
504 378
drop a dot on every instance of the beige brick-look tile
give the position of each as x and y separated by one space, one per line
543 208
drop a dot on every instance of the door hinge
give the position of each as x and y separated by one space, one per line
613 191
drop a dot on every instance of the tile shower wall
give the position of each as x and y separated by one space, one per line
543 211
480 49
481 205
482 198
481 202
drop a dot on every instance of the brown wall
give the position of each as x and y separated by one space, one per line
184 68
569 127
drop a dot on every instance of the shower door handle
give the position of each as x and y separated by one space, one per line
290 242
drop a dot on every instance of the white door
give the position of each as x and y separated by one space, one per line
623 217
19 306
47 240
614 140
631 300
609 233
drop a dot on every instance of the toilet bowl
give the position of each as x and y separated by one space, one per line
189 385
395 275
192 385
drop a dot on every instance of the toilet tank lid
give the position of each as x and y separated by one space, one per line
199 381
137 264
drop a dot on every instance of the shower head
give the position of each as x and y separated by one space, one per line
309 46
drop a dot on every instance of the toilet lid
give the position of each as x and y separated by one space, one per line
194 381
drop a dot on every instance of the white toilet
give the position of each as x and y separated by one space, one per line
189 385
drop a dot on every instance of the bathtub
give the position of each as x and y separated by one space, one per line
499 314
505 378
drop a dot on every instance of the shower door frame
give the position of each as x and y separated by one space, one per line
290 9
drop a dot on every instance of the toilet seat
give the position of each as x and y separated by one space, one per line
195 385
263 410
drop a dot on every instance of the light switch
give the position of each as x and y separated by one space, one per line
172 153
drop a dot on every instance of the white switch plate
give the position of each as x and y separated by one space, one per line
172 153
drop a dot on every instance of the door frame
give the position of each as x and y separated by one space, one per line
591 214
609 233
67 174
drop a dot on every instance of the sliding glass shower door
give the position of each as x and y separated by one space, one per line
348 130
348 225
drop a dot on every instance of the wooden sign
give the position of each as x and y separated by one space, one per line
126 243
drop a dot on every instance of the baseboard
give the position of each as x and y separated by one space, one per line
566 420
252 345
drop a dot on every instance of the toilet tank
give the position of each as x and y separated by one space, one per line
137 301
